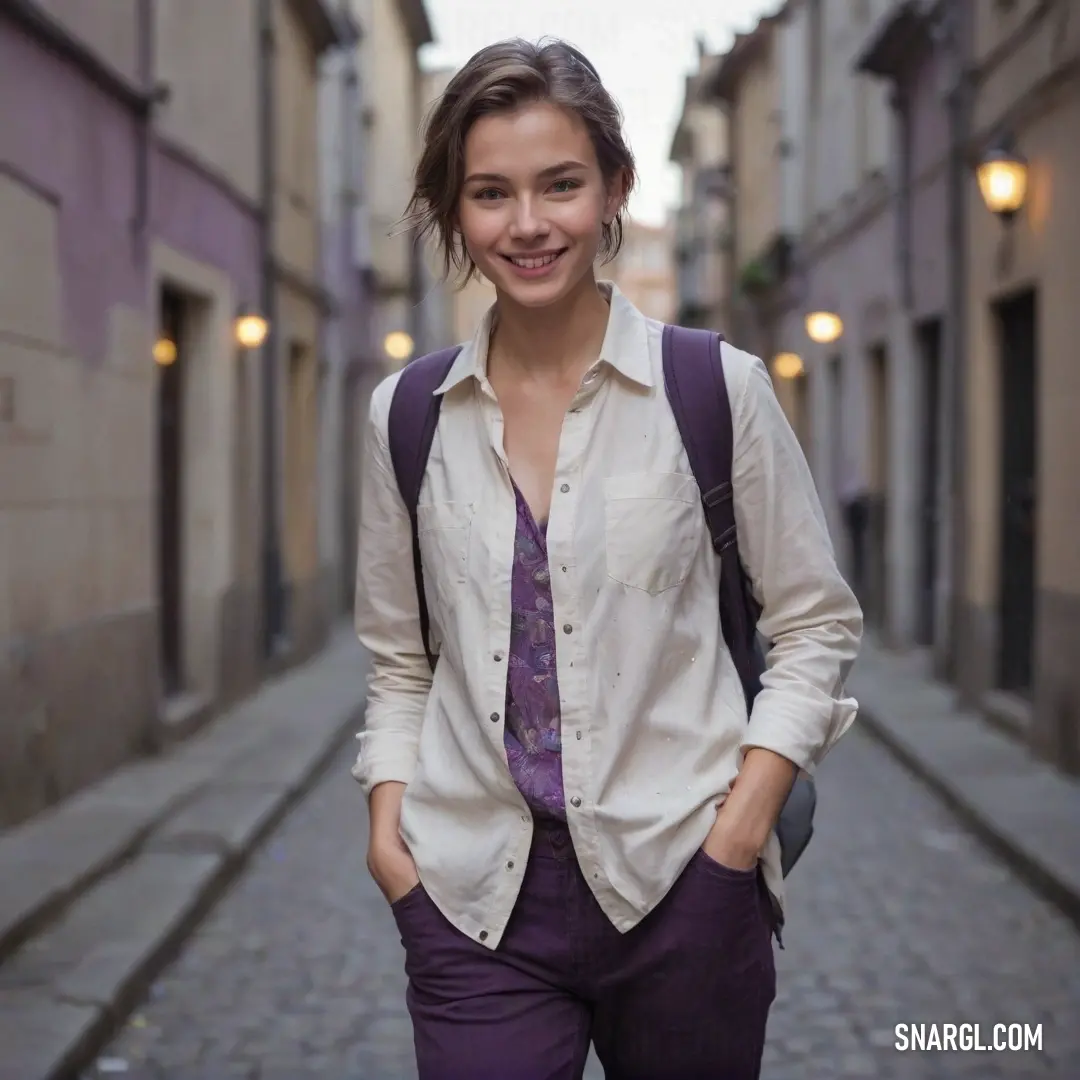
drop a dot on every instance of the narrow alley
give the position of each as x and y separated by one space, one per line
898 916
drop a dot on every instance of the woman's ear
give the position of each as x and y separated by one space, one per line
616 196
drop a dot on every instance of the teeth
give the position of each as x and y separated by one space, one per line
532 264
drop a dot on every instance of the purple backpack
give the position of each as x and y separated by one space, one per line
697 391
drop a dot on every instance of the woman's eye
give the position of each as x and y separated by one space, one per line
488 194
563 186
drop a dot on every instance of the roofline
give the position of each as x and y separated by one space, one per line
744 50
417 22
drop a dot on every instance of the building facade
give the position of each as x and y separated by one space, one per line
746 86
398 29
300 32
79 616
915 50
702 225
940 407
1019 624
843 262
644 269
347 348
135 490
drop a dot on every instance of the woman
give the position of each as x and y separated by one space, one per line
554 816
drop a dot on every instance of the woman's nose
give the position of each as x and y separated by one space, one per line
527 222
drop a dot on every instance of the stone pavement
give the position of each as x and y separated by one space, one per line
898 915
96 894
1026 810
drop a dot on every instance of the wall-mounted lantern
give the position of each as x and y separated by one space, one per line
1002 175
788 365
164 351
398 345
824 327
250 330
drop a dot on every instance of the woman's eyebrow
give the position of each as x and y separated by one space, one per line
551 170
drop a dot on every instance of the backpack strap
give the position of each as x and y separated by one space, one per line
414 416
697 391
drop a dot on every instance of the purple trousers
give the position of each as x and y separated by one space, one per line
685 995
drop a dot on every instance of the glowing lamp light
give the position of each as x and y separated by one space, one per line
398 345
788 365
250 330
1003 181
824 327
164 352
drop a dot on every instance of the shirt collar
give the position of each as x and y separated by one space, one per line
625 346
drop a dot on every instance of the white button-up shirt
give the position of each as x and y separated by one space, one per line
654 720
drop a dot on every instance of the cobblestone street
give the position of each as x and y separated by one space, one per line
897 917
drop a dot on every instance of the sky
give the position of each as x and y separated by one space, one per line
643 49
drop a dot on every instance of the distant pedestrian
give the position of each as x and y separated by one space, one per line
553 817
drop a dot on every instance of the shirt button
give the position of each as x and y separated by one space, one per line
567 628
498 657
565 488
494 718
510 864
482 935
579 736
575 801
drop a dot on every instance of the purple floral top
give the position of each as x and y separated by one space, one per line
533 740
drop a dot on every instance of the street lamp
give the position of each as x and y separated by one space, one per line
164 351
398 345
788 365
250 330
824 327
1002 176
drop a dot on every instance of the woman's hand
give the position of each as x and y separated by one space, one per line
730 847
748 814
392 867
389 861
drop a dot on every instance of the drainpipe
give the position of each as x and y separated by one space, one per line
273 595
959 114
145 45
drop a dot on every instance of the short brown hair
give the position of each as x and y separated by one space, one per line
500 78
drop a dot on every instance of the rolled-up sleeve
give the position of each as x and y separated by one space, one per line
387 616
809 613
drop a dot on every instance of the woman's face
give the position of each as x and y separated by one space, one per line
534 203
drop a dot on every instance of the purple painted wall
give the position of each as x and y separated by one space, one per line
202 217
78 145
853 278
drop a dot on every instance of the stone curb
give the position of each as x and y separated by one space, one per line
1056 886
65 992
76 1046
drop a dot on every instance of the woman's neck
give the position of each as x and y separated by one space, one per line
550 341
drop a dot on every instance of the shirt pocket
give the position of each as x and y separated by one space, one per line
652 527
444 530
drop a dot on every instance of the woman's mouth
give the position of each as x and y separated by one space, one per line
533 266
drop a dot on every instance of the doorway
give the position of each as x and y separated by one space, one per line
1018 346
929 339
170 353
877 568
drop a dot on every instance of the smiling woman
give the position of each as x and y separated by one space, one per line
471 154
553 810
